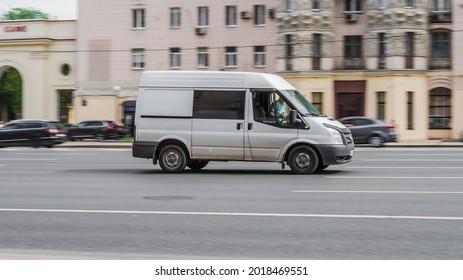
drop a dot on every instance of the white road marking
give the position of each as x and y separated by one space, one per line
432 155
412 159
28 159
392 177
403 167
234 214
386 192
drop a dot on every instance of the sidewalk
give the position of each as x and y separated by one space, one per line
128 144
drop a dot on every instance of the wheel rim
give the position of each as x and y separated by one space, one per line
172 159
376 141
302 160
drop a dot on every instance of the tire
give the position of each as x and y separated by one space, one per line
172 159
303 160
321 167
100 136
197 164
376 141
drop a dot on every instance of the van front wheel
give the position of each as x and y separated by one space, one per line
172 159
303 160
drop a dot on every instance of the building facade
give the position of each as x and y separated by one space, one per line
395 60
42 53
119 39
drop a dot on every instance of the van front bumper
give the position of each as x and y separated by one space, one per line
144 149
336 154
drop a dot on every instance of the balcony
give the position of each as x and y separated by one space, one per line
440 63
444 16
353 63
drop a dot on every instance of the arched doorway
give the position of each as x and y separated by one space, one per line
11 93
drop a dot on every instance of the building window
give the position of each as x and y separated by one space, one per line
410 110
316 5
317 100
382 4
380 105
203 16
409 49
230 16
316 51
382 50
440 5
175 17
353 52
138 58
259 56
230 57
352 5
259 15
203 57
138 18
174 58
289 51
409 3
440 109
440 50
290 5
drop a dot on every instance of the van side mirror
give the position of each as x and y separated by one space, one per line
292 116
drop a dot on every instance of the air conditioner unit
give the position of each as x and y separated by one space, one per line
245 15
271 13
351 17
201 30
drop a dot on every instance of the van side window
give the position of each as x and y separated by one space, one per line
269 108
219 104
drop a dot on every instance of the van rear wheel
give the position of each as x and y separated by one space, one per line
172 159
303 160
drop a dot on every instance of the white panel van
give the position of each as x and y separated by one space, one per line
188 118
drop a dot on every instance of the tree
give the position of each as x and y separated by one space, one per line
10 94
25 13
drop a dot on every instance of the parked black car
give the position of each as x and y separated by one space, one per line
95 129
33 133
370 131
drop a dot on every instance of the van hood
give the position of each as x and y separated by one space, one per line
329 122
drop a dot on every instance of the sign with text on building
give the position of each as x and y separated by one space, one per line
15 28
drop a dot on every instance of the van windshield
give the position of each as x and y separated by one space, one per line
303 105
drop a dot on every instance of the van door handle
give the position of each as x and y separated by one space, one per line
239 126
250 126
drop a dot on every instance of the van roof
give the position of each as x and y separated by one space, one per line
212 79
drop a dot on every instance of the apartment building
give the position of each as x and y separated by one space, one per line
395 60
118 39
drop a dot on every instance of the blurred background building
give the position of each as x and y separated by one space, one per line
117 40
40 54
396 60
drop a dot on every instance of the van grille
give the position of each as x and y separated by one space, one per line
348 137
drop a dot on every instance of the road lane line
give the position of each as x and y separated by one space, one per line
233 214
419 154
386 192
412 160
28 159
403 167
392 177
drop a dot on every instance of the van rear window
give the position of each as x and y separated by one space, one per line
219 104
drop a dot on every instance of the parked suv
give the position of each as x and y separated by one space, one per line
95 129
33 133
370 131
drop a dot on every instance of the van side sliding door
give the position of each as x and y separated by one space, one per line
218 124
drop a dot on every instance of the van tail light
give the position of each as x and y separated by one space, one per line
53 130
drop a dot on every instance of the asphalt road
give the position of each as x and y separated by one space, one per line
80 203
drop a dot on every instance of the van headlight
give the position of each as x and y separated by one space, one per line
336 136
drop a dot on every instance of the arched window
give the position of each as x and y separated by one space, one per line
440 108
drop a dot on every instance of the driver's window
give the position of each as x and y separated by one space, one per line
269 108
